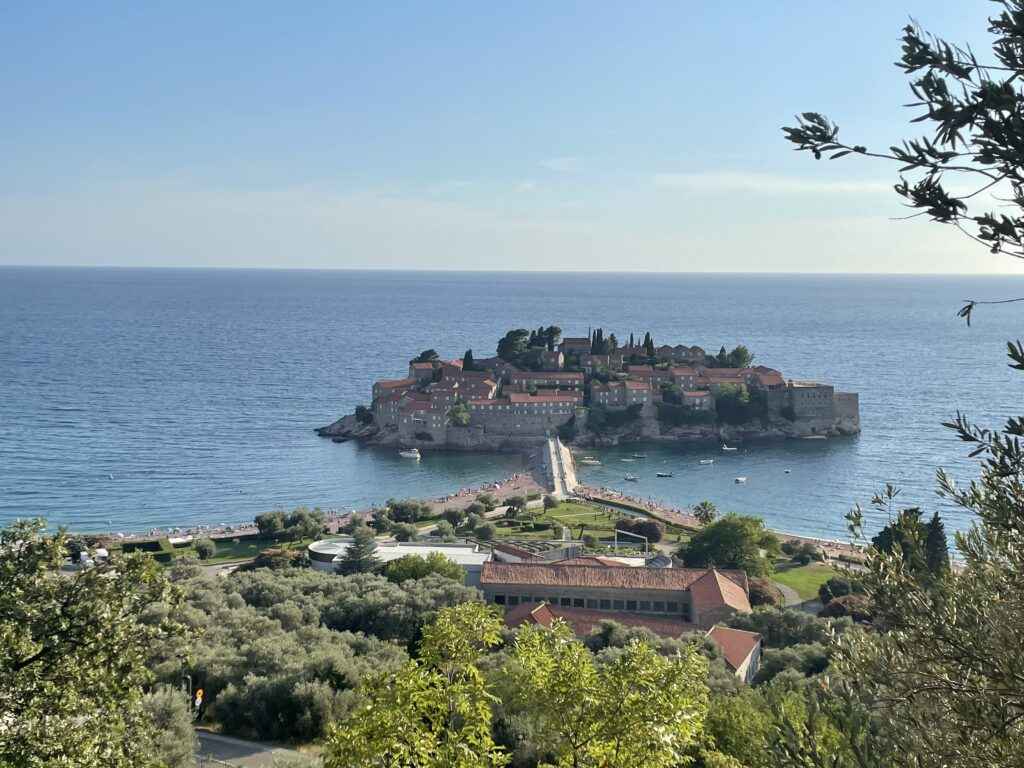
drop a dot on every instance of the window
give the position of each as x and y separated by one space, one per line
606 605
513 599
565 602
631 605
686 611
591 603
499 599
658 607
618 605
577 602
673 607
645 605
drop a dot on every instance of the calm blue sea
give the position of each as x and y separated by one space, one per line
132 398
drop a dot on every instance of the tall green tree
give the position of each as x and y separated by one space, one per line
936 547
732 541
435 712
636 710
943 680
73 650
360 555
426 356
705 512
468 363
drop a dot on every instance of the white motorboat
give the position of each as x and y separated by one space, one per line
631 478
707 461
410 453
663 474
590 461
639 455
740 480
627 459
729 449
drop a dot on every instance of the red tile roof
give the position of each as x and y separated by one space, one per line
682 370
393 383
736 644
600 576
714 589
533 375
697 393
560 397
583 622
630 384
423 366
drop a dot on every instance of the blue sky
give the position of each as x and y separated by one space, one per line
460 135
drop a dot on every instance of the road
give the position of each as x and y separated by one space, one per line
237 752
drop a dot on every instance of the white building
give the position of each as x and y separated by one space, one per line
325 555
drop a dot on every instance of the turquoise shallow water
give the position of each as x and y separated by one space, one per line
160 397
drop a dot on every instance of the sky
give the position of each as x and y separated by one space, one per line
462 135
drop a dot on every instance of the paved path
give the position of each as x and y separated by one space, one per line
790 598
237 752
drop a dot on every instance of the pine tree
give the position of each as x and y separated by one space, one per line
632 341
359 557
936 548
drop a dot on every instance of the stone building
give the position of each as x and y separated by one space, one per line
527 380
700 597
518 413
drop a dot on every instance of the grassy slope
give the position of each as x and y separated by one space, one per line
805 579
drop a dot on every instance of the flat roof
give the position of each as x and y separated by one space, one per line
461 554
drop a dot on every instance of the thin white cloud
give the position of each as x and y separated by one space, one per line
734 181
563 164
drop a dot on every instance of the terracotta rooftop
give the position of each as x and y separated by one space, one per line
630 384
527 375
697 393
583 622
736 645
560 397
713 588
682 370
601 576
393 383
423 366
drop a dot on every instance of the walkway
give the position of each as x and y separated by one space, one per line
238 752
561 467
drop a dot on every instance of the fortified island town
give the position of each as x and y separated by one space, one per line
591 390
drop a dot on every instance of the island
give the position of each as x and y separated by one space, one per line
592 391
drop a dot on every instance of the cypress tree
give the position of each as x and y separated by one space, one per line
360 557
936 548
632 342
468 364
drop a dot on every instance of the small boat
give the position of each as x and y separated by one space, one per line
639 455
663 474
740 480
707 461
627 459
590 461
339 439
729 449
631 478
410 453
815 437
786 471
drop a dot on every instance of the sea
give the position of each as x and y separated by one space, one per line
141 398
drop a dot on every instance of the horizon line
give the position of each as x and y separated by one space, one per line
442 270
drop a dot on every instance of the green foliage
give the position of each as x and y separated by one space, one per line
705 512
636 709
838 586
457 516
733 541
783 628
682 415
650 529
418 567
739 357
485 531
444 530
857 607
426 356
602 419
513 345
73 651
488 500
550 502
364 415
434 712
763 592
735 404
205 548
173 740
359 556
300 523
459 414
405 532
407 510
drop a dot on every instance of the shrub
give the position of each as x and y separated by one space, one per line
364 415
164 557
590 541
762 592
838 586
405 532
550 502
485 531
652 530
205 549
857 607
444 529
454 516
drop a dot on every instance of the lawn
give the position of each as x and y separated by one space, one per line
805 579
596 521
